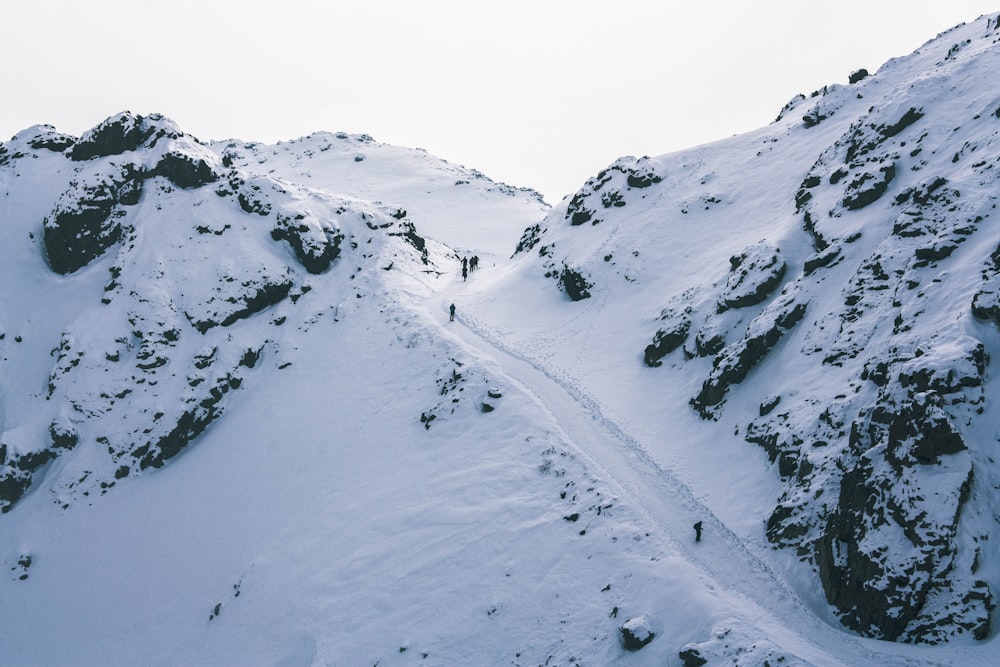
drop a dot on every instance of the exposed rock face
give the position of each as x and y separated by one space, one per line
754 276
609 189
184 171
756 272
316 247
87 219
574 284
733 363
877 485
122 133
636 633
672 334
986 301
899 463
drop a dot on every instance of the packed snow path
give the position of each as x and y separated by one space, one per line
665 504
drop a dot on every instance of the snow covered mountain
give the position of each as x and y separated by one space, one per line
237 425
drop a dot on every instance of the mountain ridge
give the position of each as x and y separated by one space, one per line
787 335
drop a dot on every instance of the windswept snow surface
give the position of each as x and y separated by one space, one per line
389 487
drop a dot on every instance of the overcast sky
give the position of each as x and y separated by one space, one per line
538 93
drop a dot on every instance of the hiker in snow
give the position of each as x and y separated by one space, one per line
474 263
465 270
451 309
697 532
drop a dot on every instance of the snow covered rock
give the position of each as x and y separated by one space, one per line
671 335
732 646
610 189
178 249
86 220
756 272
636 633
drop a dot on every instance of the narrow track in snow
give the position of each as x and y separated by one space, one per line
665 503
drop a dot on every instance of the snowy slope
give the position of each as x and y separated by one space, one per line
238 426
823 288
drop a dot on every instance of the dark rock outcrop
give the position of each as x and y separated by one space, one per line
257 296
754 275
120 134
636 633
87 220
574 284
733 364
184 171
670 336
316 246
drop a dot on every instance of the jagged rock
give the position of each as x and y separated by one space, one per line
636 633
878 584
49 139
63 434
251 195
813 118
857 76
735 361
13 484
529 239
911 116
754 275
642 175
256 296
315 245
677 323
826 258
188 427
184 171
867 187
86 220
121 134
986 303
574 284
920 431
769 404
408 231
577 213
636 173
885 543
691 657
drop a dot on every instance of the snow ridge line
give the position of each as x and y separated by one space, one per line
795 615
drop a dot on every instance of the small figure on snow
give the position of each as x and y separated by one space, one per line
451 309
697 532
474 263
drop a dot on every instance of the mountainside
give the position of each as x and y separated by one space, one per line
831 282
237 425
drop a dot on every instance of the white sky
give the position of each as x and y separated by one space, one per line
539 93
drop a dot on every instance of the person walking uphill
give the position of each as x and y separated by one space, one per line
451 309
697 532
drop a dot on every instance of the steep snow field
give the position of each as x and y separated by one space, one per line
246 431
